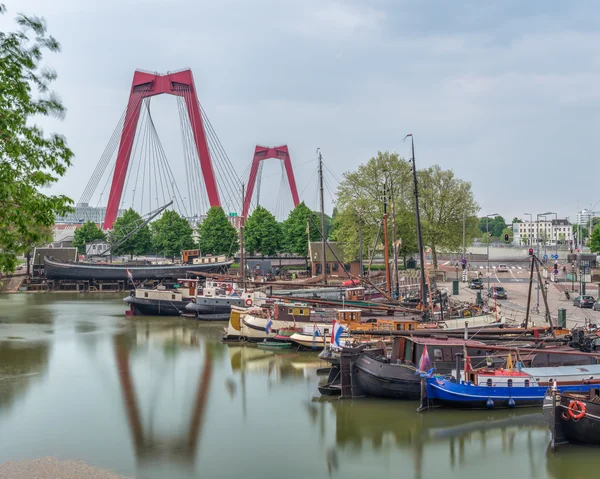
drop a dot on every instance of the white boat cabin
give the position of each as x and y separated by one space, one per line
498 378
159 294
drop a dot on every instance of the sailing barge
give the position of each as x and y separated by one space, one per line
55 269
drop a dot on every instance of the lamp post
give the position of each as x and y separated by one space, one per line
487 228
530 222
552 227
538 253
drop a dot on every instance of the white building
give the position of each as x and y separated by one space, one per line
548 232
584 216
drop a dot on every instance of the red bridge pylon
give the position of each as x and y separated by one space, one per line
264 153
146 85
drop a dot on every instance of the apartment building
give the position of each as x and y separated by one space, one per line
546 232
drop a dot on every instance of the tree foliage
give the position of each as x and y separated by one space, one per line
359 200
86 234
595 241
262 233
516 220
446 201
295 240
138 243
171 234
217 235
495 224
29 159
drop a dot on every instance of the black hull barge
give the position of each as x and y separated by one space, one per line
61 270
154 307
573 418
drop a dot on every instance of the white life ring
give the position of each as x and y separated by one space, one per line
249 302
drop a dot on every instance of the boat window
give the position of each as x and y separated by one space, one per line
527 383
172 296
437 354
510 382
145 295
326 331
290 311
411 327
489 382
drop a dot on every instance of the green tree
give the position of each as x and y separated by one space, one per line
516 220
139 243
86 234
171 234
217 235
495 225
359 197
262 233
595 241
29 160
446 200
294 233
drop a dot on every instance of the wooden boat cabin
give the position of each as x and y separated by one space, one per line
188 287
355 294
396 325
441 351
292 312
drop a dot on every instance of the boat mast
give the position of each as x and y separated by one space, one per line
386 252
360 245
395 243
242 259
419 234
323 251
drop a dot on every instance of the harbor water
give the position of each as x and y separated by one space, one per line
163 397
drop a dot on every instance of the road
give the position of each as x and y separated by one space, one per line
516 283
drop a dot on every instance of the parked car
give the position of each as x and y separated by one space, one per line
476 283
596 306
584 301
497 292
502 268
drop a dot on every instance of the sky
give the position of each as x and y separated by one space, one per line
503 93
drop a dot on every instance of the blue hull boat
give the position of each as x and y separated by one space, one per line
447 392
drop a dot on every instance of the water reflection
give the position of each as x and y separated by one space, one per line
20 366
163 397
371 426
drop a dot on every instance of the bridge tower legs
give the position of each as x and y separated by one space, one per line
146 85
264 153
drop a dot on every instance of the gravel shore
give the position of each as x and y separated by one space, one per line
50 468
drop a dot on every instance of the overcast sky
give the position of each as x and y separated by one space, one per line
504 93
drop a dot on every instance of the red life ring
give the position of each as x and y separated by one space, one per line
576 409
249 302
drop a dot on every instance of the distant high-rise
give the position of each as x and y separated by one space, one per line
583 217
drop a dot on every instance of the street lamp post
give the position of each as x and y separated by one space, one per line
530 222
487 228
538 253
552 229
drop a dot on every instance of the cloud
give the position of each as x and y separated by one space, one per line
504 93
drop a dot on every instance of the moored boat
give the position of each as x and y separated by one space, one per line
55 269
573 417
161 301
274 345
500 389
